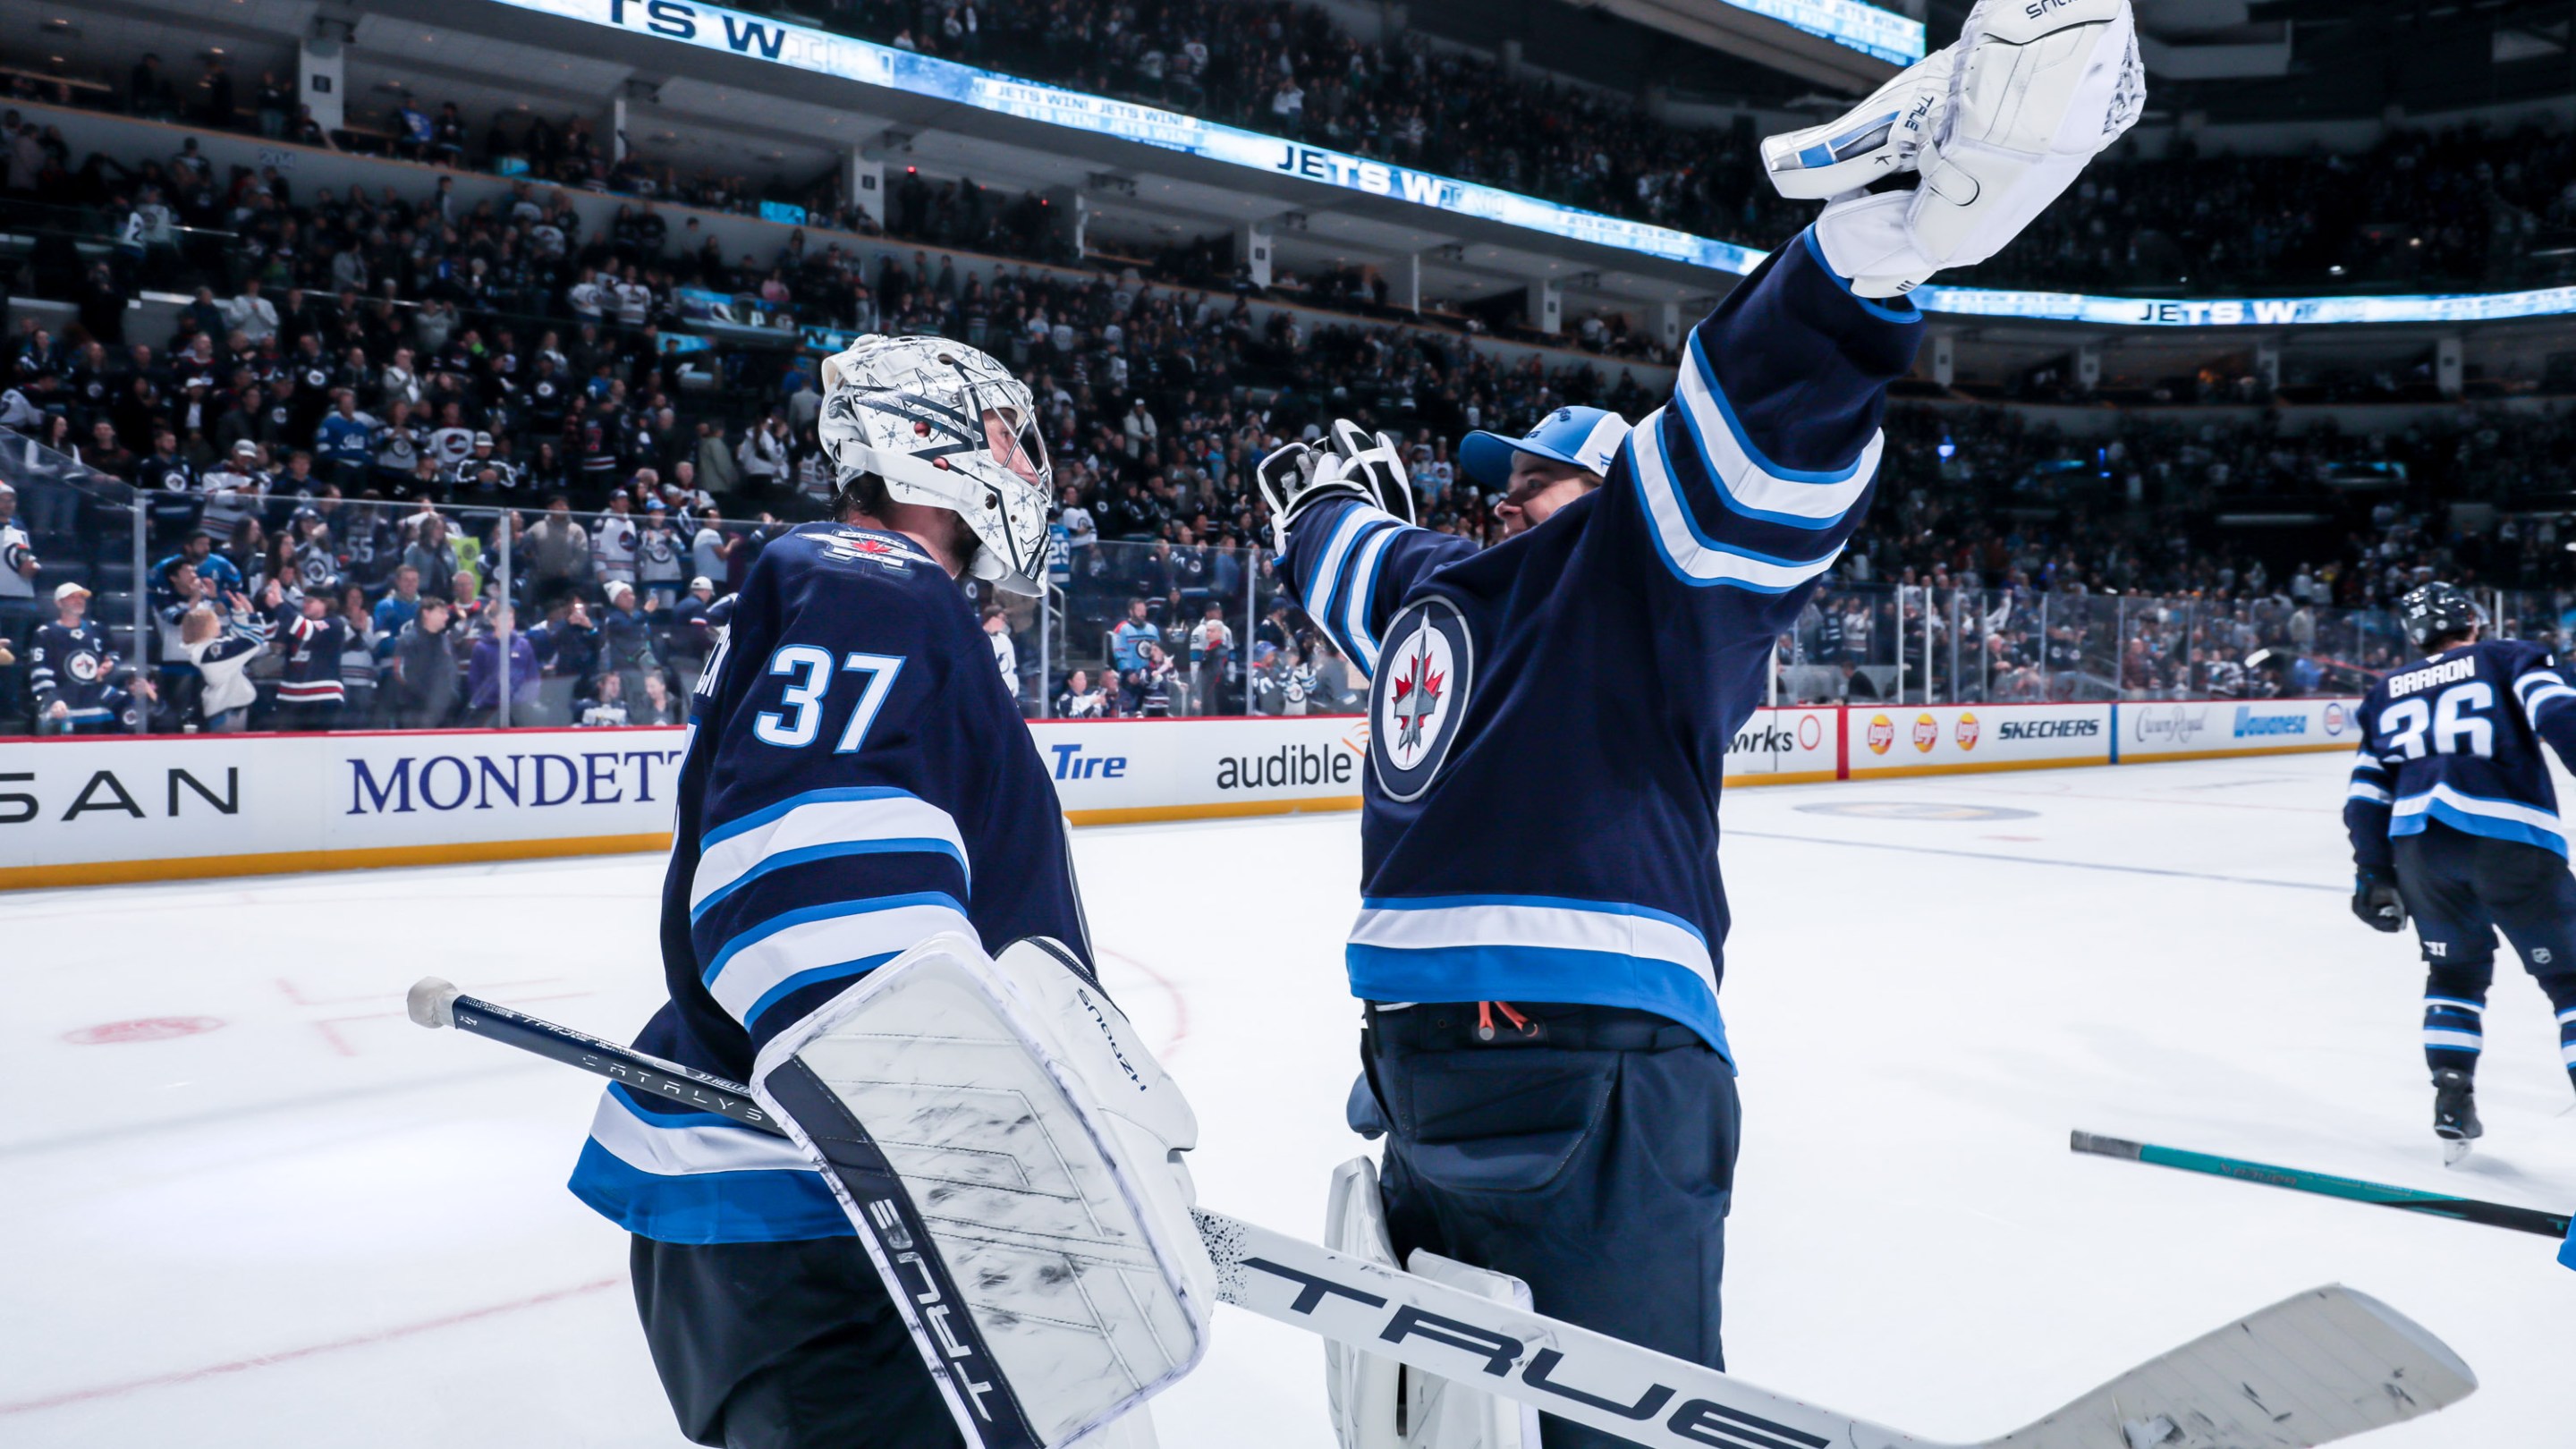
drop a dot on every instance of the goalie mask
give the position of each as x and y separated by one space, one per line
947 427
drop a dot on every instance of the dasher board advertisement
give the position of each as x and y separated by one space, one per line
1941 739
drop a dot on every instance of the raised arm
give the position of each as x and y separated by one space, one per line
1756 474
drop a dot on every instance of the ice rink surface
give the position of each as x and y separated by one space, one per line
246 1203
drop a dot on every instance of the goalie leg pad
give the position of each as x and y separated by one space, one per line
1380 1404
1007 1150
1445 1413
1364 1388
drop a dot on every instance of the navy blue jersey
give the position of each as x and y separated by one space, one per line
1549 717
2457 739
857 778
309 651
72 665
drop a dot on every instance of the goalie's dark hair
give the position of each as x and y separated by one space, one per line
860 492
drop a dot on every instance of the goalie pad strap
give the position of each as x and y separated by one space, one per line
891 1226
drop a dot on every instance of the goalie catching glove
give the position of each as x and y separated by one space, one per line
1010 1155
1997 127
1355 465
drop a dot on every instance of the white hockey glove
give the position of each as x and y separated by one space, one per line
1297 477
1374 459
1997 126
1010 1155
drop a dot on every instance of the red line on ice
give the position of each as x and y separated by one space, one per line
1180 1003
267 1360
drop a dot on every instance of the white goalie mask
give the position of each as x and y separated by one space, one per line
948 427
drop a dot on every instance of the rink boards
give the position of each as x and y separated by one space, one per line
94 811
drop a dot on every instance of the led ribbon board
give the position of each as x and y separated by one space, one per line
1874 32
818 52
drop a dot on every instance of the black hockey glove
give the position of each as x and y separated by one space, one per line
2376 901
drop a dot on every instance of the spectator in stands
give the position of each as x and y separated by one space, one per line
657 705
1133 632
220 645
484 674
1081 699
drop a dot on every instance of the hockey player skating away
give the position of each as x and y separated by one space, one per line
858 782
1539 940
2454 822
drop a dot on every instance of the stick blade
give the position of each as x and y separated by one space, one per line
2308 1370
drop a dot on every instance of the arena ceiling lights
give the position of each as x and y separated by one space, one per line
820 52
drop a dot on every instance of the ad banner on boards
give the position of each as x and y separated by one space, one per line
2203 729
1951 738
1786 747
251 804
93 810
1109 772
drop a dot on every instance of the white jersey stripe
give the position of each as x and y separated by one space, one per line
847 941
678 1151
1809 500
2493 809
823 819
1677 538
1355 609
1431 926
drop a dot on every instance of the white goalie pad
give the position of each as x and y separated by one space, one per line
1998 126
1009 1153
1364 1388
1380 1404
1446 1414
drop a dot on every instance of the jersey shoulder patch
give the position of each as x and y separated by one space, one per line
1418 698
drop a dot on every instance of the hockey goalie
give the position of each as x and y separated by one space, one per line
982 1225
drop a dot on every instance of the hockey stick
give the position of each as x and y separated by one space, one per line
2306 1371
2297 1179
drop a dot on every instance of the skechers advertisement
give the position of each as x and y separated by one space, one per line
1920 739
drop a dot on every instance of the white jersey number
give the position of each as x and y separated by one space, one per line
2452 719
803 720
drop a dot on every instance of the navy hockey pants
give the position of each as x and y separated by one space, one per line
784 1346
1593 1158
2461 889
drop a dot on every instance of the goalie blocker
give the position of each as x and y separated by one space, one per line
1010 1155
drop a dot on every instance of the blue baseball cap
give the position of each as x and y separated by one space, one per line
1586 438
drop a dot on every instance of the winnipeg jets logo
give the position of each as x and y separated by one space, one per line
1419 696
1416 695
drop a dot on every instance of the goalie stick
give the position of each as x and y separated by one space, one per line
2308 1370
